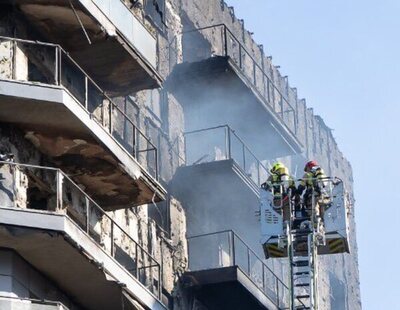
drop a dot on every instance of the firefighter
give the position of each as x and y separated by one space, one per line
313 182
281 184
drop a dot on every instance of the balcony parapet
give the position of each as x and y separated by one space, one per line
133 30
49 190
222 143
7 302
224 250
105 36
38 65
219 42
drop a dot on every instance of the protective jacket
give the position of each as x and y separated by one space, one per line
312 179
279 182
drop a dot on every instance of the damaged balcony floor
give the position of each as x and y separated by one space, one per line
55 246
227 288
64 131
121 54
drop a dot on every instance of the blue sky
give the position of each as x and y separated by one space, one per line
344 58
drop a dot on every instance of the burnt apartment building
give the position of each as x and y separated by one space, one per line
134 137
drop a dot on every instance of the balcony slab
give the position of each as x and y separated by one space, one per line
121 54
64 131
59 249
219 190
227 288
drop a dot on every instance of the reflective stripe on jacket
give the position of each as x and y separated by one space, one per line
280 181
311 178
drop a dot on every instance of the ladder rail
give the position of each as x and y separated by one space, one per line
294 234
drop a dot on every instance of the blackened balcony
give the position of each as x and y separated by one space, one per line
60 230
104 36
222 143
220 180
225 273
215 61
69 118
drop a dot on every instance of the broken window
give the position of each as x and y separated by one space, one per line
155 11
160 213
153 133
125 119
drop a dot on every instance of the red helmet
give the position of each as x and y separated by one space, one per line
310 165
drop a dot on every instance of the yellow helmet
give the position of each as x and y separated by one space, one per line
276 167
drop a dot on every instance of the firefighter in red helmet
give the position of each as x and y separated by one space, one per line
313 182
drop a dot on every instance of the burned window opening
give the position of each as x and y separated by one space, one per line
153 132
160 213
155 12
36 199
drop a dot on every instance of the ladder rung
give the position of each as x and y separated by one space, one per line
304 234
300 263
302 284
302 296
303 218
302 254
301 230
301 273
303 238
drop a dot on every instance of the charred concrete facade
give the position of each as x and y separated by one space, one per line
117 184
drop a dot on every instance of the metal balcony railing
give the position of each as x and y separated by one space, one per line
222 143
218 40
227 249
7 302
49 189
134 31
38 62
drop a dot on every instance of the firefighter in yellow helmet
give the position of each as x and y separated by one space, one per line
313 182
280 183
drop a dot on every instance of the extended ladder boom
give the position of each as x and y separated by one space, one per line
301 229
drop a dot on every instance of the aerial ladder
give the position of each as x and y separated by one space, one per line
301 228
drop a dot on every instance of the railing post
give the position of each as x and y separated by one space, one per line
263 277
59 66
112 238
228 142
59 190
185 148
156 162
233 248
159 282
14 59
277 292
225 40
87 215
296 116
110 107
86 92
135 142
137 261
56 79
